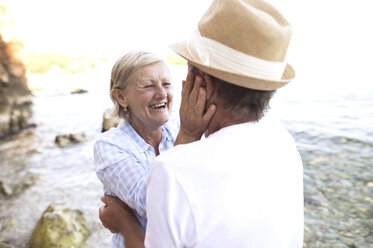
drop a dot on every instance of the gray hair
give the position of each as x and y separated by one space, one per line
122 73
250 104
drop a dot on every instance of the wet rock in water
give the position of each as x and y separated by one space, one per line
16 186
61 227
67 139
5 188
62 140
78 91
15 97
77 138
3 245
109 120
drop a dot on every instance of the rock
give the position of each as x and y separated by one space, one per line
67 139
15 97
17 69
60 227
14 186
4 77
3 245
77 138
62 140
78 91
5 189
109 120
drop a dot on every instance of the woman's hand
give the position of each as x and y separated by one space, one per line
194 120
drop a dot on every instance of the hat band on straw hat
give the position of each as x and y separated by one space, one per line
214 54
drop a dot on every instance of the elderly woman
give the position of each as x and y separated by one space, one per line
142 94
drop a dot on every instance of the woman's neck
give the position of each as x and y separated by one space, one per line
151 135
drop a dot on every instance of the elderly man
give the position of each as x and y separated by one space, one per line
242 186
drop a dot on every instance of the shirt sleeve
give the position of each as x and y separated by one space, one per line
170 218
122 174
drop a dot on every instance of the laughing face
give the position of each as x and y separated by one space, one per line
149 96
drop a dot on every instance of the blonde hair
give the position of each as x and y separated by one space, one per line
122 72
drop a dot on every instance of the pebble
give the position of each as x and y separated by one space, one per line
78 91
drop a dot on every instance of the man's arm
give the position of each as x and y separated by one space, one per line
117 217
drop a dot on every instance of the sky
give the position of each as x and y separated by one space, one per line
103 26
331 44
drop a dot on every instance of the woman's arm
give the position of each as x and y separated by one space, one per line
123 177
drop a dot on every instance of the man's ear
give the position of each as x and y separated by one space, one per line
119 95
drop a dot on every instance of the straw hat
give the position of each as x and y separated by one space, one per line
243 42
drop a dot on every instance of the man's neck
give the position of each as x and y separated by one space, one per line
224 118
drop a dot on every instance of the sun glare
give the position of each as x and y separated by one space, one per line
324 39
102 28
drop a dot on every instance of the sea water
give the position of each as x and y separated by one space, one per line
333 131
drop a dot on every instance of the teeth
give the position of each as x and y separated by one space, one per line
159 105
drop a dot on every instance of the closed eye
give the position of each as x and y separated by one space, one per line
147 86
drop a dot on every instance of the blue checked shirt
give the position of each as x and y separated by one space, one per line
123 160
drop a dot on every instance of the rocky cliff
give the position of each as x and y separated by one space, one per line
15 97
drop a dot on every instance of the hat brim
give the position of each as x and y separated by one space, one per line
234 78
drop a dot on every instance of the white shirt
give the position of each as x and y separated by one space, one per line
240 187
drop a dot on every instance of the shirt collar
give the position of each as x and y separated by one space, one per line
126 127
166 135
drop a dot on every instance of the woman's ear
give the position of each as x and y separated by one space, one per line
119 95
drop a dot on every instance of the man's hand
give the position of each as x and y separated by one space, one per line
194 119
118 218
112 214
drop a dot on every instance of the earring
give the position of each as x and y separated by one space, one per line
126 112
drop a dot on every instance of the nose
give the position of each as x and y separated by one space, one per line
161 92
